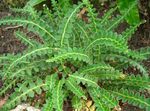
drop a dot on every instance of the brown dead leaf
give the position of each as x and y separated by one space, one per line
92 108
117 108
82 14
89 103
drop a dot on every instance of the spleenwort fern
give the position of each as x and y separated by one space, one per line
76 60
21 36
58 96
73 86
132 98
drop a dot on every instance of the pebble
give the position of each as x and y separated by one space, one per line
27 107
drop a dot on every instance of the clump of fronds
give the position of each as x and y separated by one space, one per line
76 59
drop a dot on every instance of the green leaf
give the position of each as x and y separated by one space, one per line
134 81
132 98
144 51
95 68
75 54
58 96
75 88
17 96
24 39
37 26
85 79
77 103
67 23
94 93
35 51
126 60
32 3
108 39
7 86
104 96
133 15
51 81
49 104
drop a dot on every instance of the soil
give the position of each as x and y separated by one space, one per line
8 43
141 38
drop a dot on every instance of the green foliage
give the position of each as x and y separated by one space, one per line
23 91
73 86
58 96
21 36
104 101
32 3
133 16
75 59
77 103
75 54
132 98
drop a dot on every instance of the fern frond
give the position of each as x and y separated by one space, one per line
107 76
34 52
51 84
84 79
49 105
6 58
30 11
106 98
65 5
22 37
91 14
25 69
107 15
128 61
136 55
75 54
51 81
94 93
58 96
7 86
84 31
135 81
18 96
33 25
54 4
57 11
95 68
66 25
102 72
112 20
73 86
108 39
123 16
132 98
77 103
132 54
129 31
32 3
144 52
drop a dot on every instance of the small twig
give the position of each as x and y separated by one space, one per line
12 27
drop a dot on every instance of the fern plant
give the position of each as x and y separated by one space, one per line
76 60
